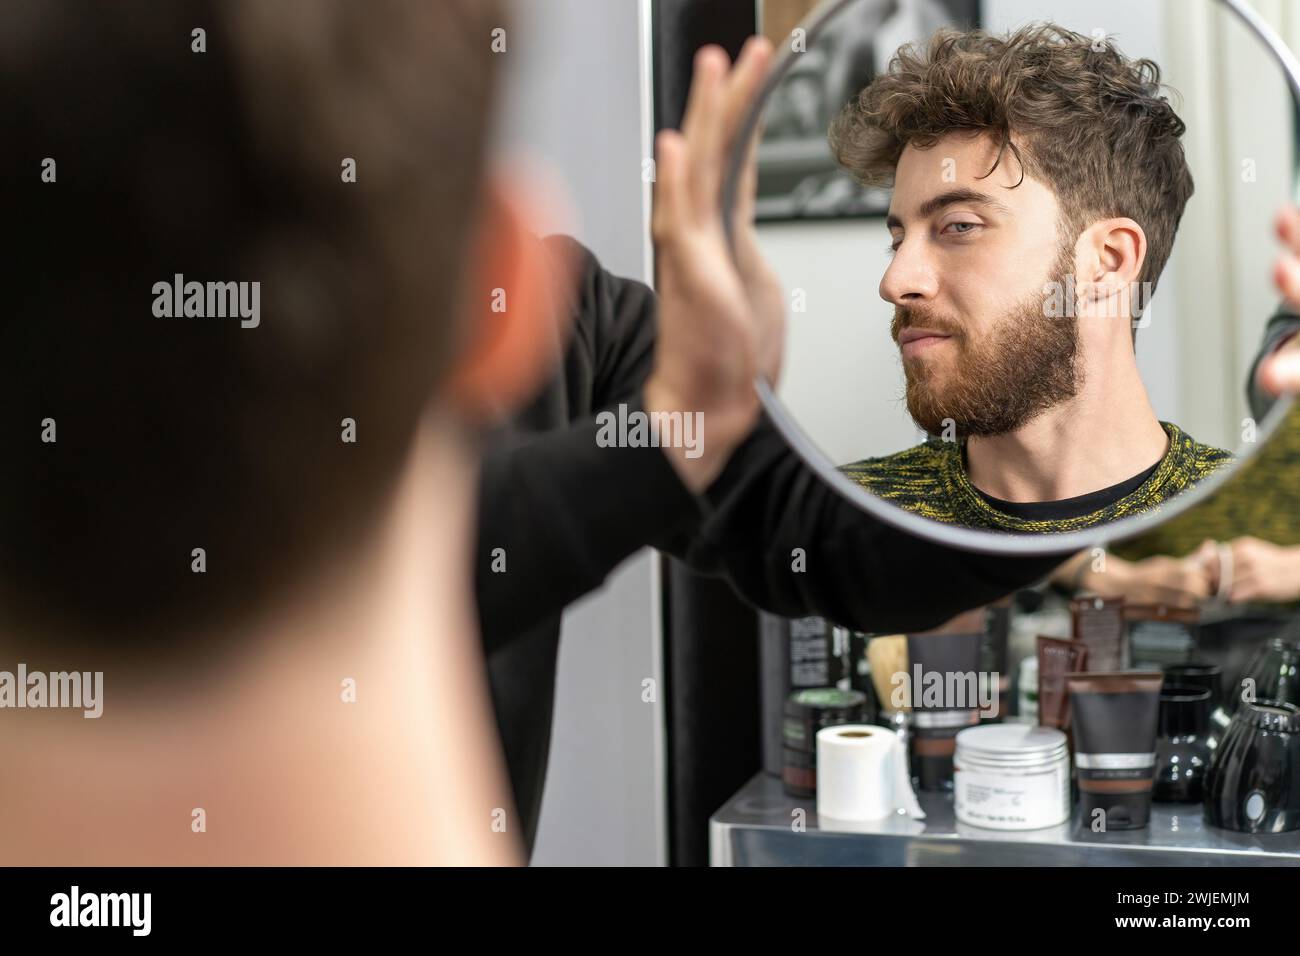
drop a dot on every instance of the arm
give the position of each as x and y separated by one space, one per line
559 509
855 570
564 512
1159 579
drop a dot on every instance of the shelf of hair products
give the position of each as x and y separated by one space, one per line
1044 729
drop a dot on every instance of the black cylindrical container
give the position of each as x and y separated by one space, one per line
794 654
1253 781
1209 676
806 712
1182 752
934 744
799 772
1196 674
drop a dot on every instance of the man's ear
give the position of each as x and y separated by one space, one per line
1115 251
514 312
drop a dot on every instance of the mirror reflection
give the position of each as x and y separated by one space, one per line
1028 268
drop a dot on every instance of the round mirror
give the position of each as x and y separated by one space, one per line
1034 342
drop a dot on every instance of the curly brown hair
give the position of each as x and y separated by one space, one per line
1074 111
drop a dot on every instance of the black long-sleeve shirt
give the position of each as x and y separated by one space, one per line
563 512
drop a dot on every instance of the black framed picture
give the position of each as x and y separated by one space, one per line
797 175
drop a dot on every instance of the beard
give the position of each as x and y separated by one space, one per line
993 384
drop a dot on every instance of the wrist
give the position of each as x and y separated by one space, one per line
1109 581
696 444
1290 577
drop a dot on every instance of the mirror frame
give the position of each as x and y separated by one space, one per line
971 539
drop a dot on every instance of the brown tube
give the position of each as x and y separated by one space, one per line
1056 658
1114 717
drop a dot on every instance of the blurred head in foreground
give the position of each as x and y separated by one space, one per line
247 335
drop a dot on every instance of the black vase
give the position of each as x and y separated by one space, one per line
1182 750
1253 781
1273 674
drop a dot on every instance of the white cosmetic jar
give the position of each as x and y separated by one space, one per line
1011 777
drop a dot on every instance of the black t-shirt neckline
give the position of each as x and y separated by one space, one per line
1076 507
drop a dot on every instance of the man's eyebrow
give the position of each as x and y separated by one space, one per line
950 198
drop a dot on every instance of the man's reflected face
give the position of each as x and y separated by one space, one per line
971 258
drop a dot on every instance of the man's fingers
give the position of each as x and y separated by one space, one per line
669 214
701 125
1288 227
707 73
741 89
1286 276
719 102
1206 557
1192 586
743 85
1280 374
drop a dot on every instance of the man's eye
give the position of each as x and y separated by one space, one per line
963 228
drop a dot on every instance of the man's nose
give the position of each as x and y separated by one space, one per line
910 278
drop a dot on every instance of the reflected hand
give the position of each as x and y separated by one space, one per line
721 320
1176 582
1263 571
1279 373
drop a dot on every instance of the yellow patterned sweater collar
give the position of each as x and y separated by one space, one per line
930 480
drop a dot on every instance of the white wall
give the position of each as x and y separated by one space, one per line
1239 145
576 96
842 377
